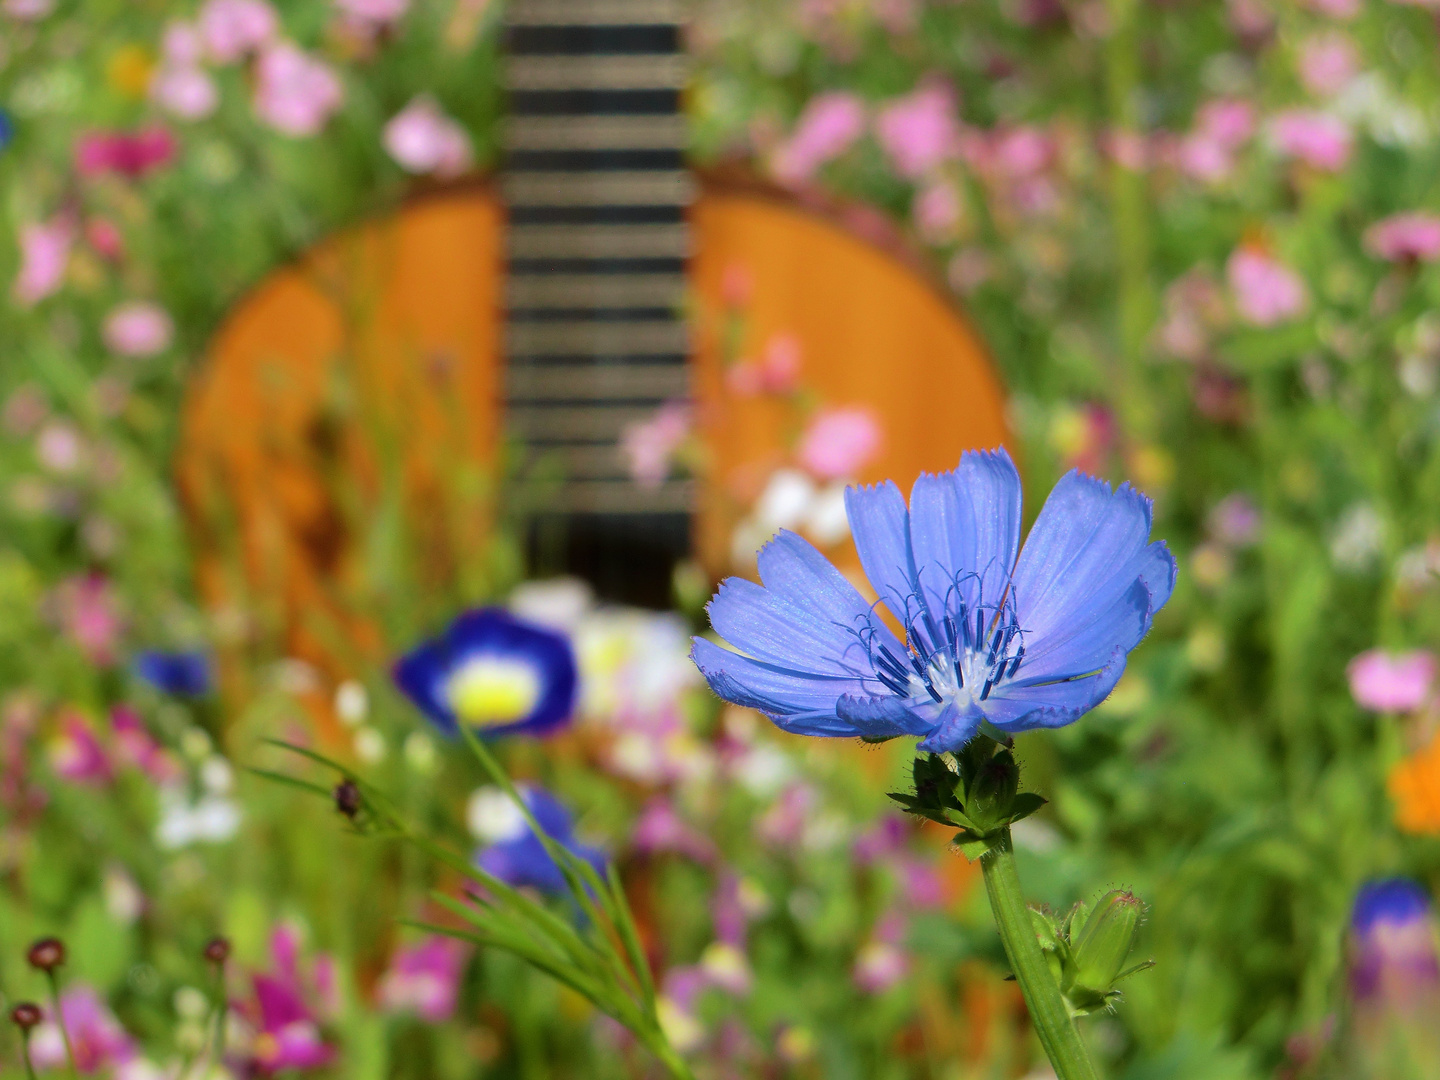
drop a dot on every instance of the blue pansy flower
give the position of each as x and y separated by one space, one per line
1018 639
186 674
493 671
1392 902
1393 954
512 852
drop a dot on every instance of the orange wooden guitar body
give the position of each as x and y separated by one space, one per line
377 354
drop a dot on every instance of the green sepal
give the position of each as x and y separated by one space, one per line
1025 804
971 846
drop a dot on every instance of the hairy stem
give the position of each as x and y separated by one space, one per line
1048 1011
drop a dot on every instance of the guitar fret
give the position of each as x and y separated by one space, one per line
618 72
595 13
593 421
599 241
596 382
623 497
660 338
667 187
527 291
657 132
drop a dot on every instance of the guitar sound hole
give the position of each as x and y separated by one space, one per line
626 558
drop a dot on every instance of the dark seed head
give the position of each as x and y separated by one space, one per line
347 798
46 954
26 1015
217 950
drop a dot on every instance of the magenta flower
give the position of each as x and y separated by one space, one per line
839 442
137 747
44 257
1406 237
234 29
422 139
776 372
881 962
661 829
186 92
424 979
99 1042
128 154
1321 140
1203 158
1328 63
919 131
294 92
76 754
649 445
104 239
1391 682
90 616
288 1034
1230 122
138 328
1266 291
827 127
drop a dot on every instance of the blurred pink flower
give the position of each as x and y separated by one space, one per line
282 1013
60 447
422 139
881 963
1328 62
374 13
1321 140
104 238
1408 237
1228 121
76 754
99 1042
1022 151
936 209
1235 521
424 979
294 92
232 29
1336 9
136 747
827 127
185 91
25 410
89 613
661 829
776 372
649 445
1391 682
138 328
131 154
182 44
1266 291
1203 158
839 442
919 131
27 10
44 256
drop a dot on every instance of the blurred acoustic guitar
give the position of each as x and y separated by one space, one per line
519 327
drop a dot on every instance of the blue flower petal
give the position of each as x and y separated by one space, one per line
965 529
955 729
185 674
880 526
806 616
778 692
423 673
881 717
1046 705
523 861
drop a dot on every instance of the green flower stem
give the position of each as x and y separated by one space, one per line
1048 1012
60 1022
25 1053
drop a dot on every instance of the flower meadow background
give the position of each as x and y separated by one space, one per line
1199 238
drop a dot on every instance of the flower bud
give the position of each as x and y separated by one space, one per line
46 954
217 950
1106 940
26 1016
348 799
991 792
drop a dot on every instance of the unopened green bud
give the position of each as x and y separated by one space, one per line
1105 941
992 791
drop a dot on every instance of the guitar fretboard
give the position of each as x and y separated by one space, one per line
597 191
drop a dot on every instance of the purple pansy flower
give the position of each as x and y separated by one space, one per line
1393 937
992 634
493 671
511 850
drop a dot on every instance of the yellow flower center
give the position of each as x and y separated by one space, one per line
489 690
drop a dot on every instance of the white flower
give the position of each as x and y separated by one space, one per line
492 816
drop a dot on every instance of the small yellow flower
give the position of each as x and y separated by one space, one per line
129 69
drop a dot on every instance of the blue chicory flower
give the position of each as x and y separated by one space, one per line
185 674
493 671
1393 934
513 853
992 634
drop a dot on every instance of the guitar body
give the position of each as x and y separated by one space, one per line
371 370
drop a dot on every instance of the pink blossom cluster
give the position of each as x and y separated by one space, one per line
1384 681
649 446
128 154
1266 291
422 139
